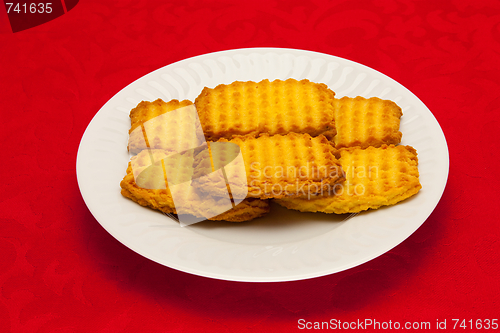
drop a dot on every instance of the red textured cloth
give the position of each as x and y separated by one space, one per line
60 271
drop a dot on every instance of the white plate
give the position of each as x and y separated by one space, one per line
286 245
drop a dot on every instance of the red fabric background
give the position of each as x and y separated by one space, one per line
60 271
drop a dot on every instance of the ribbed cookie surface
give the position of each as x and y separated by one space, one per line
375 177
277 107
155 125
155 193
283 165
363 122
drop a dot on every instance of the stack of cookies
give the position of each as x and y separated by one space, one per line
300 146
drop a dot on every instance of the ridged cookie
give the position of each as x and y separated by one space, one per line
277 107
375 177
172 126
364 122
280 165
150 168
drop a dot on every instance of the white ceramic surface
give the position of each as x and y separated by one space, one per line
285 245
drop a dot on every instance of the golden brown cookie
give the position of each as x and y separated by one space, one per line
150 167
375 177
364 122
171 126
277 107
281 165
